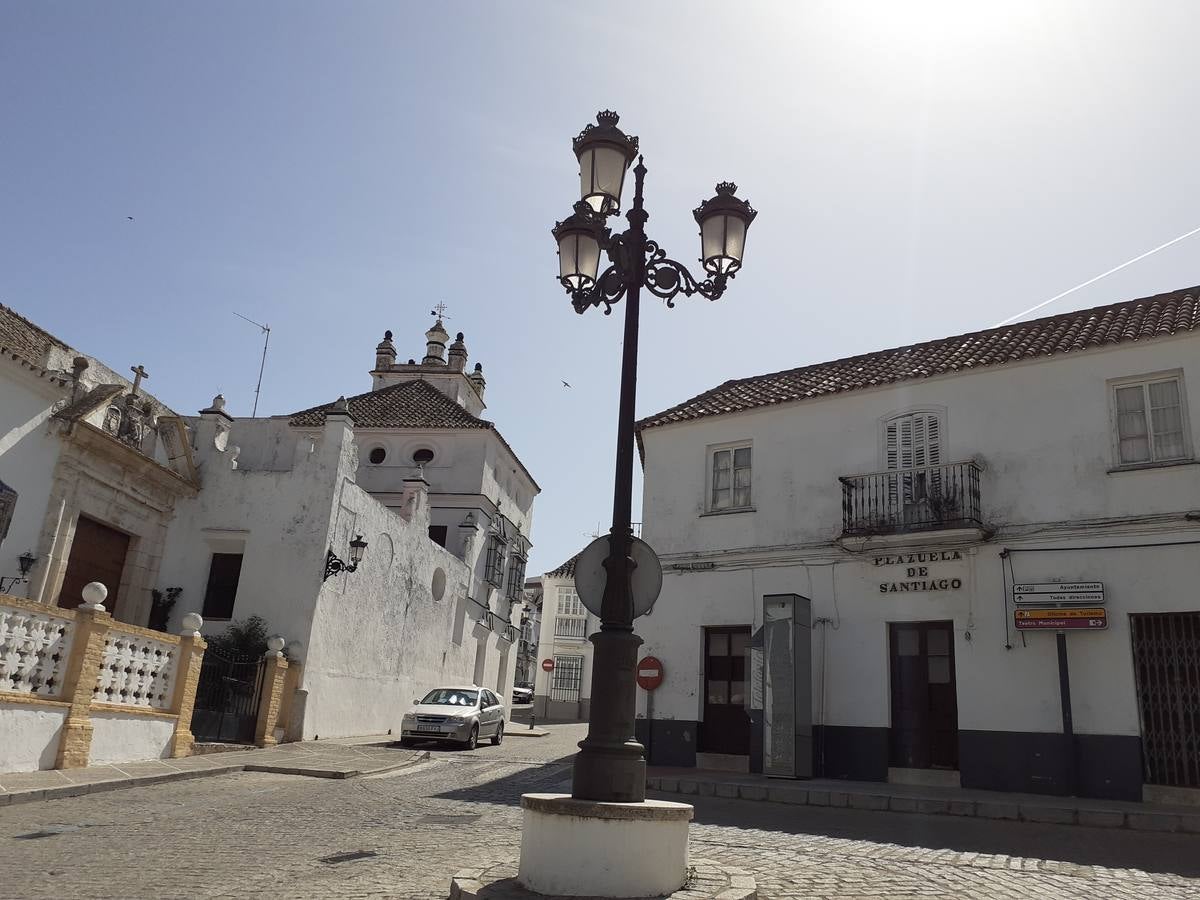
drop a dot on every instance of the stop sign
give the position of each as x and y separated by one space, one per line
547 665
649 673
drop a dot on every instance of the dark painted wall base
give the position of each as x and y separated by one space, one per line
1107 766
850 752
668 742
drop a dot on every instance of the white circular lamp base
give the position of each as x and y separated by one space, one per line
577 848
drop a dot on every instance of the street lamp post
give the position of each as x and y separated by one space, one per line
610 766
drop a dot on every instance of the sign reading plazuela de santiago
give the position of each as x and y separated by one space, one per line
921 574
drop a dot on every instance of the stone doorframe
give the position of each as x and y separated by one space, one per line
99 477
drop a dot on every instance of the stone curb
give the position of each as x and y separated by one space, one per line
58 792
708 881
1015 810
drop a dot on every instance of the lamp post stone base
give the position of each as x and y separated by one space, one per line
579 848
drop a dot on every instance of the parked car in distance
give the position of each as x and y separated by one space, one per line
462 714
522 693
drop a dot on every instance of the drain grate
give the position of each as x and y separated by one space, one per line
448 820
348 857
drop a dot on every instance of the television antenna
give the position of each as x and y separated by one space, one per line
266 330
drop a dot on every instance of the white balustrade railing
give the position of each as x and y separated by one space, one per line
136 670
34 647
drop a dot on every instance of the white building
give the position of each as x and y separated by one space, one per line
889 502
91 470
565 692
531 630
442 501
99 481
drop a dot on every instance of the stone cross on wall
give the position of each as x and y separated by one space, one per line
138 374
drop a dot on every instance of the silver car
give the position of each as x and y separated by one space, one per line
459 714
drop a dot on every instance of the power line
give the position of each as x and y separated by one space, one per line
1077 287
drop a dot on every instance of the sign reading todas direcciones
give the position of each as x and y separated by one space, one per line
1064 593
1083 618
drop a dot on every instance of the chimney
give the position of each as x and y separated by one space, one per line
385 353
212 431
458 354
477 379
435 345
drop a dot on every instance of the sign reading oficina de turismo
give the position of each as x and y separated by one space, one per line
1082 617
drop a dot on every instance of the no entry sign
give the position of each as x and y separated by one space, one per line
649 673
547 665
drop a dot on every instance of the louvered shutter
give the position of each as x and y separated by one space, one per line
913 441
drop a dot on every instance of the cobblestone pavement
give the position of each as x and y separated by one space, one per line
404 834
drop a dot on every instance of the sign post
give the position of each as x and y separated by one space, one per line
649 677
1068 724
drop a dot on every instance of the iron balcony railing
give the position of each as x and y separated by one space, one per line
925 498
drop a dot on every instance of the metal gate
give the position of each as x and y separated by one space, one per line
227 698
1166 663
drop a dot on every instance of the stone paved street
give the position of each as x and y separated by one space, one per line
403 835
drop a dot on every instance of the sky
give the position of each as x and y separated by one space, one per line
333 170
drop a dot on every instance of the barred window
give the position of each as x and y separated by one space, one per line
516 577
568 675
493 567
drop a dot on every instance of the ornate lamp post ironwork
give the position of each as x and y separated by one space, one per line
610 765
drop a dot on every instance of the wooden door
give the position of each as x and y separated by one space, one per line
97 554
726 726
924 732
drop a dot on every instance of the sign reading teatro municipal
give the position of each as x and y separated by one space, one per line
921 572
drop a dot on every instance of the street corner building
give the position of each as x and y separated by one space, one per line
971 561
383 536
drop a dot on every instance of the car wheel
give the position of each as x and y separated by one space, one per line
499 735
473 740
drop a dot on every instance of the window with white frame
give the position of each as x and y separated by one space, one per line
729 478
1150 421
571 619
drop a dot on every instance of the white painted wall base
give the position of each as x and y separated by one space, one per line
128 737
29 737
575 848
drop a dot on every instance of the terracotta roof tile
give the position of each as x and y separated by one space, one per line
1131 320
410 404
567 569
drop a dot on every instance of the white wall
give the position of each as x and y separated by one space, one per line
1042 429
31 736
29 451
127 737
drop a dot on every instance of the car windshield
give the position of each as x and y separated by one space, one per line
451 697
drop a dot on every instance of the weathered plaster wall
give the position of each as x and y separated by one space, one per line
380 638
127 737
30 736
278 520
1042 429
28 453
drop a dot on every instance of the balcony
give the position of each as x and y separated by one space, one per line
570 628
907 501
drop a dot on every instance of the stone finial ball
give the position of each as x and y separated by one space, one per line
192 623
94 593
275 643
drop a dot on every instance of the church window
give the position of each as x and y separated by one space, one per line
377 455
423 456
